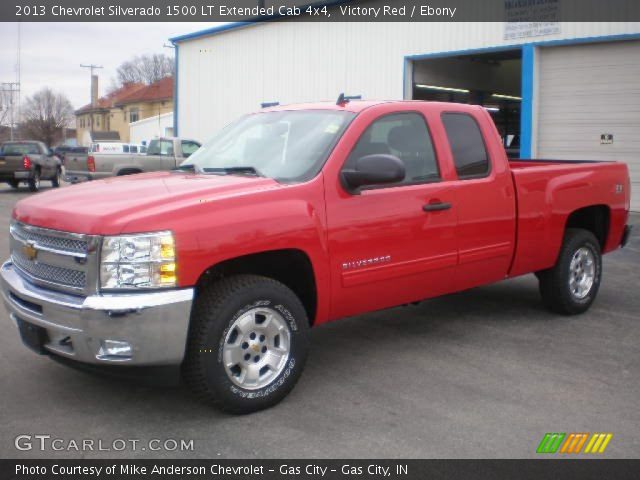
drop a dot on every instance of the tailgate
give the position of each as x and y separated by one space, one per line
11 163
75 162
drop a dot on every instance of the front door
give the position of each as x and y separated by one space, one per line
395 243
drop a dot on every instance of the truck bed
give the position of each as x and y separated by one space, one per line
547 191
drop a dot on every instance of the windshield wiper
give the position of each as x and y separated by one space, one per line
232 170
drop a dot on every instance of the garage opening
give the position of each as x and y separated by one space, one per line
492 80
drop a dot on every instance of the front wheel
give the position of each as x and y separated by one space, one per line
248 343
571 286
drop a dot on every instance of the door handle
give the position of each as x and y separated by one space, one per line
436 206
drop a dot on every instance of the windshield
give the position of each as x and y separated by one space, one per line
288 146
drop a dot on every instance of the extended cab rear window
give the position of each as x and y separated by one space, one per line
467 145
20 149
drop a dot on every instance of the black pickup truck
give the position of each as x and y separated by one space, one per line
30 162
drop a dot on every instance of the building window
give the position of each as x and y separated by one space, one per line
97 121
134 115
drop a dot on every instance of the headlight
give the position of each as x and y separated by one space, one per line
138 261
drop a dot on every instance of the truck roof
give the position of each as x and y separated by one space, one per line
357 106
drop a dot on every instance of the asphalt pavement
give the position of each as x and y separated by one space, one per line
483 373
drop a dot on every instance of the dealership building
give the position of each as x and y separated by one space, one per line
560 90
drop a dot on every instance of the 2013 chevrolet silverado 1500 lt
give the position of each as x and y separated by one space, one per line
290 218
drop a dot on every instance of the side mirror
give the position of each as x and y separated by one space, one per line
373 169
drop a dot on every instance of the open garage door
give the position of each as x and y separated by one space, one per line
491 79
589 105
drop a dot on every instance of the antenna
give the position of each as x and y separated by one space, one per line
343 99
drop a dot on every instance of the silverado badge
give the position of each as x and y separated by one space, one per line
30 251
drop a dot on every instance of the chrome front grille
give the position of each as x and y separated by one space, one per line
55 259
60 242
48 273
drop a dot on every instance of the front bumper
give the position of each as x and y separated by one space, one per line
155 324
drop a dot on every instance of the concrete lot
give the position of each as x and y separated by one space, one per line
484 373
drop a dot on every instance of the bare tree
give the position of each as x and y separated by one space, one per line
45 115
145 69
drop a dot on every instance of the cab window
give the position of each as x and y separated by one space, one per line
189 147
406 136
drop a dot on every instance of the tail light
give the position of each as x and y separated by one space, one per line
91 163
26 162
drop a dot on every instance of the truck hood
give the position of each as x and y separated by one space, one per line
107 206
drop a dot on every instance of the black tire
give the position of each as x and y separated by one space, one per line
555 289
34 181
13 184
215 311
55 181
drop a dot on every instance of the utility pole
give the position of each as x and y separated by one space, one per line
92 67
10 88
10 93
94 79
18 74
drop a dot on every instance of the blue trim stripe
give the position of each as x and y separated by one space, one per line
526 106
175 91
210 31
252 21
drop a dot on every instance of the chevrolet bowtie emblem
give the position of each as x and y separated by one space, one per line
30 251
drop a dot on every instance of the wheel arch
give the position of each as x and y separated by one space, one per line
594 218
128 171
291 267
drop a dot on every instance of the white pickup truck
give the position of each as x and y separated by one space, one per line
162 154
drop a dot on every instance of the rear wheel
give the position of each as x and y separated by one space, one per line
571 286
248 343
55 181
34 181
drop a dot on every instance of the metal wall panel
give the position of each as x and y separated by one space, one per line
225 75
586 91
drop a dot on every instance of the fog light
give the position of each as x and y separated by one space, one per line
115 348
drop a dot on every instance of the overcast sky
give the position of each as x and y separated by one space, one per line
51 53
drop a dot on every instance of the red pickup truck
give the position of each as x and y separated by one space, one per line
292 217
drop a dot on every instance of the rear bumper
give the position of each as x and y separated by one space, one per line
625 235
78 176
155 324
7 176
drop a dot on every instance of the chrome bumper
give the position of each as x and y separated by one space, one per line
155 324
